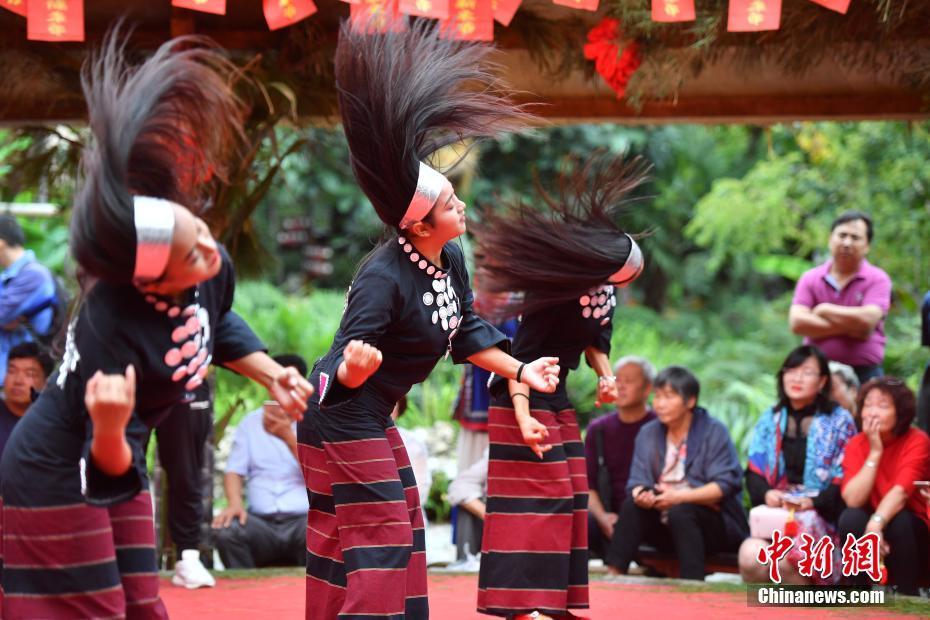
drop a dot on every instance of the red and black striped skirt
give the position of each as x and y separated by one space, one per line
366 548
534 552
79 561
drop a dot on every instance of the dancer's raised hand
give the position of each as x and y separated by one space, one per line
359 361
110 400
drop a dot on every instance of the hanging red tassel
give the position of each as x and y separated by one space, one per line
281 13
504 10
585 5
217 7
469 20
615 66
17 6
754 15
673 10
840 6
436 9
55 20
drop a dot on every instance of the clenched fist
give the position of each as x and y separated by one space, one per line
359 361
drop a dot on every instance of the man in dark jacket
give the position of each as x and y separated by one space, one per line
685 482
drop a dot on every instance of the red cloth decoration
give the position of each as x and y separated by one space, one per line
673 10
217 7
55 20
840 6
754 15
585 5
376 15
17 6
469 20
616 66
436 9
504 10
281 13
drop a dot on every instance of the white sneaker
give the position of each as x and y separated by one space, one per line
190 573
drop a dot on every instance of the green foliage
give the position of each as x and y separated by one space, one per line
437 505
783 206
303 325
316 182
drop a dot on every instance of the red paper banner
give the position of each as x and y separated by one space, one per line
840 6
17 6
217 7
754 15
436 9
504 10
55 20
586 5
673 10
281 13
376 15
469 20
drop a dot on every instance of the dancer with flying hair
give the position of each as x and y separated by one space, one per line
564 256
78 535
403 95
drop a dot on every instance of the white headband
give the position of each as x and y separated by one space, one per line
429 186
631 268
154 218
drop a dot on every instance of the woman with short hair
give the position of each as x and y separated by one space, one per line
879 470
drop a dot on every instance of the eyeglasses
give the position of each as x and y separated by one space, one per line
805 373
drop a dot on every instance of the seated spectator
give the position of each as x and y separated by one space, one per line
469 491
879 470
795 459
685 483
418 454
27 369
845 388
272 532
608 449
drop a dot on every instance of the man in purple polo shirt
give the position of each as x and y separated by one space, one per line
617 432
840 306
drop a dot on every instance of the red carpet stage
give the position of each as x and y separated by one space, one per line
453 598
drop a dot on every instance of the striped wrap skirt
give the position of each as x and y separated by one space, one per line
63 558
366 547
534 552
79 561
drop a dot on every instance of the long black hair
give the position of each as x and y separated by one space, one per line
568 243
823 401
406 93
160 129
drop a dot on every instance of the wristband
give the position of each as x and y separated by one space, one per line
520 372
519 394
